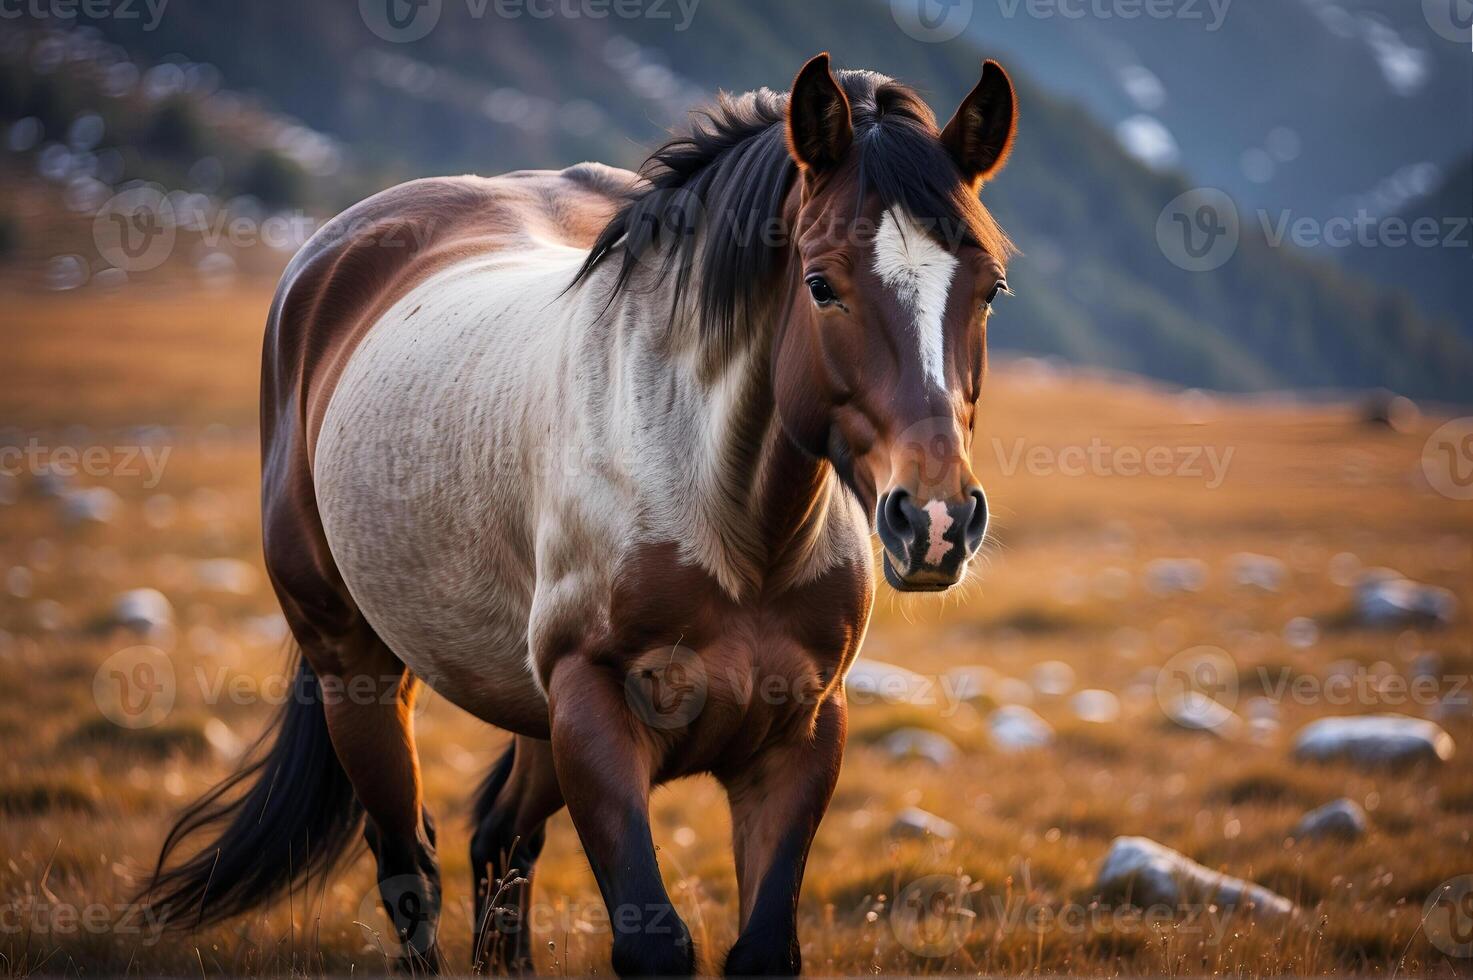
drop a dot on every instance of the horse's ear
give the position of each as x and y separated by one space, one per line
980 135
819 127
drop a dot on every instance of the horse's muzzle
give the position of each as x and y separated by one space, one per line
927 544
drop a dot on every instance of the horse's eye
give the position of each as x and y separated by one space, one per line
823 294
1001 287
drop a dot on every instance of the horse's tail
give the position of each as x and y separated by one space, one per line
492 785
296 818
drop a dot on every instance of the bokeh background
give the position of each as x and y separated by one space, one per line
1227 441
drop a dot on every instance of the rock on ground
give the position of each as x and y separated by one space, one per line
143 611
225 575
1385 598
918 743
1374 740
1386 408
1146 873
1100 707
1258 571
915 822
1169 576
1015 728
1342 819
1053 678
983 684
93 505
874 680
1200 713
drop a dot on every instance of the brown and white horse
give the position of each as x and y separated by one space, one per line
597 456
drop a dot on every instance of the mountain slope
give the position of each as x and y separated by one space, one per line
489 94
1437 275
1261 99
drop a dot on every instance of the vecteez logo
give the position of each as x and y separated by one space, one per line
1447 459
1451 20
135 688
932 21
136 230
400 21
1199 231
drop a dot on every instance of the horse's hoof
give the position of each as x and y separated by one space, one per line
641 955
754 957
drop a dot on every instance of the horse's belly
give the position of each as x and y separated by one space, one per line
456 617
431 540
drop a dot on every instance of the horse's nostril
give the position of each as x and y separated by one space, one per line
895 513
977 522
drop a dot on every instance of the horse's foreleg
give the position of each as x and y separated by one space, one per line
511 811
604 759
370 718
776 804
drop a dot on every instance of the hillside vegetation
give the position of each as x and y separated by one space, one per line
487 94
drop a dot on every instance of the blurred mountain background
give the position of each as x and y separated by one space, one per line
1298 109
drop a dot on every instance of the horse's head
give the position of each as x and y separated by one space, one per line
896 265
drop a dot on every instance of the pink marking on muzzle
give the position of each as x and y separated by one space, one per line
937 545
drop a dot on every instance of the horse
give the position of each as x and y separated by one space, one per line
597 456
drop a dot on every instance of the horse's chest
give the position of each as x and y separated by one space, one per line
715 680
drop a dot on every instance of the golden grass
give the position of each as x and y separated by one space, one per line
84 803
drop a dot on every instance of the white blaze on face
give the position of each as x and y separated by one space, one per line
910 262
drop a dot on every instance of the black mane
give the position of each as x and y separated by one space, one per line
730 174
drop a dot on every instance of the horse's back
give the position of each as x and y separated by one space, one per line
335 291
363 260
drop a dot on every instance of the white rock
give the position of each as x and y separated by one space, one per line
270 628
19 582
50 615
1052 678
1301 632
1201 713
1015 728
874 680
1384 598
1342 819
1374 740
143 611
918 743
915 822
1261 708
225 743
1396 412
1011 690
1146 873
225 575
93 505
1263 731
1100 707
1168 576
1258 571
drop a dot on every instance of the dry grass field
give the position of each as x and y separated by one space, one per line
84 802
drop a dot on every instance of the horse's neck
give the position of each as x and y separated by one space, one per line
764 514
778 500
